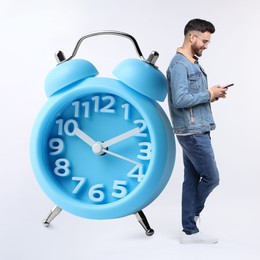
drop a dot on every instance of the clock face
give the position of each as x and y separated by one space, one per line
98 149
101 150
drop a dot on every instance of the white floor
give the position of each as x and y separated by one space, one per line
23 237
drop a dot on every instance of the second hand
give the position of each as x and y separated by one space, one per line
120 157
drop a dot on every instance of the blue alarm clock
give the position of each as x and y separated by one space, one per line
103 148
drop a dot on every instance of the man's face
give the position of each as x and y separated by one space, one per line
200 42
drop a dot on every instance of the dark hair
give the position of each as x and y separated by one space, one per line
199 25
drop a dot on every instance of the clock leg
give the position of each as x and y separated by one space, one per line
53 214
144 223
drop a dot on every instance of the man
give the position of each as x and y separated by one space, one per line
189 103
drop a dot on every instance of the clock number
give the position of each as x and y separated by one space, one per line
96 103
77 104
136 172
59 122
96 194
126 107
142 127
81 181
57 145
105 109
120 187
86 110
147 151
68 127
62 167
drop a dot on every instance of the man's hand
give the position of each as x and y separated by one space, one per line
217 92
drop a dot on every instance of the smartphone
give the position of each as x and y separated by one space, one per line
229 85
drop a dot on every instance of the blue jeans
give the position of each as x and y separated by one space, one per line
201 176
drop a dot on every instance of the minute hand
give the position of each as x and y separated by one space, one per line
121 137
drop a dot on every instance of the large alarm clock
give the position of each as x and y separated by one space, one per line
103 148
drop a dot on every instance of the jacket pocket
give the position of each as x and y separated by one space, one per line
194 80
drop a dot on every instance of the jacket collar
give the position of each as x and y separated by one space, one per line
193 59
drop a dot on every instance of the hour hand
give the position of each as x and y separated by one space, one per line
121 137
84 137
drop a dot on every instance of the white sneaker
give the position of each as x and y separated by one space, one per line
197 238
197 219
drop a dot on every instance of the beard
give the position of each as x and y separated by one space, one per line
197 50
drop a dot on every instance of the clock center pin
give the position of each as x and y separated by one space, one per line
97 148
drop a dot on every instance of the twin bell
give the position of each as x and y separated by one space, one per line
139 74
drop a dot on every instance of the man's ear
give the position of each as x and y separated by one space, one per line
191 37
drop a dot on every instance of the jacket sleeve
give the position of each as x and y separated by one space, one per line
181 96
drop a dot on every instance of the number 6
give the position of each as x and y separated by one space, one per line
95 194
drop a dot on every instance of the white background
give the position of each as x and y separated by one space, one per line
31 31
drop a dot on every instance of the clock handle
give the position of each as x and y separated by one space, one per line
117 33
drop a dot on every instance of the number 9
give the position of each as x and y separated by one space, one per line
57 145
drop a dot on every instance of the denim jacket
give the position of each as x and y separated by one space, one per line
188 96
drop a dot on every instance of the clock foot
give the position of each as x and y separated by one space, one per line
144 223
53 214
